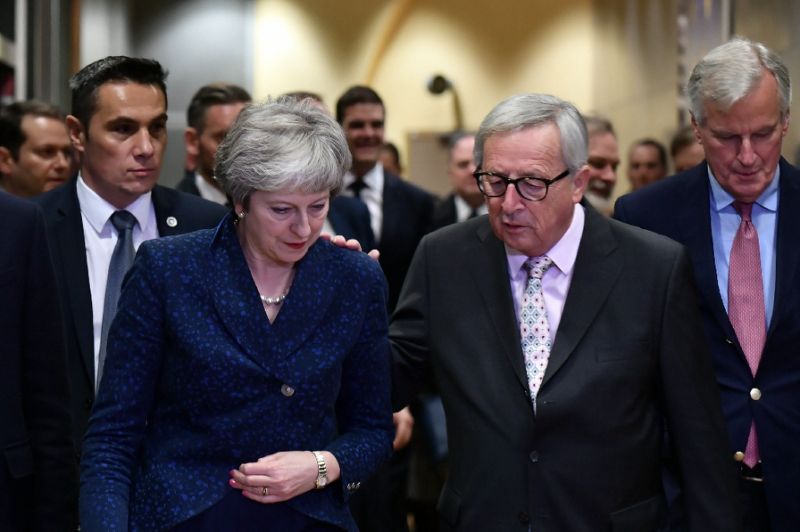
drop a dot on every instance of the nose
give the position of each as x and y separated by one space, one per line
143 144
746 155
301 225
63 160
511 199
608 174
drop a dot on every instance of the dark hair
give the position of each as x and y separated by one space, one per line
118 68
391 148
353 96
455 137
662 151
210 95
682 138
11 135
598 124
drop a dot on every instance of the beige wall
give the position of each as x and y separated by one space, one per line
582 50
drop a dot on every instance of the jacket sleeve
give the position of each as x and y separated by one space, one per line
694 414
363 408
46 391
125 398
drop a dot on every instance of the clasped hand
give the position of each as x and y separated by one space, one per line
285 475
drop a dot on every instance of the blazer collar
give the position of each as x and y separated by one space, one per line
489 270
597 269
69 240
236 299
787 251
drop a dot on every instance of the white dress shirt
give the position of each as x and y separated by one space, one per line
209 191
463 209
371 195
100 238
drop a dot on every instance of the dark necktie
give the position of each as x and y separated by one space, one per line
746 303
121 261
357 186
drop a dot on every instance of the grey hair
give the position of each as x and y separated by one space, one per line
730 71
525 111
282 145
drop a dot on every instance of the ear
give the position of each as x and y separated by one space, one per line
77 134
785 125
579 182
696 129
191 139
6 161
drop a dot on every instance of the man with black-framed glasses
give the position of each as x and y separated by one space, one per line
560 342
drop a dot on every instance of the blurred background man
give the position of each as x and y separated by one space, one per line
685 150
466 200
35 150
647 163
211 114
603 162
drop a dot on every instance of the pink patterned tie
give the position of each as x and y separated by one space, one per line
746 304
534 328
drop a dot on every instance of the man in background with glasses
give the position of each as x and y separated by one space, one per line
561 342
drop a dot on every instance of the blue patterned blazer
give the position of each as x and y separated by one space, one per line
197 381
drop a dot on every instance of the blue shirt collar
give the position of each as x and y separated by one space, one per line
721 198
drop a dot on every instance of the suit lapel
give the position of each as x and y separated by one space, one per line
164 207
236 300
787 252
489 270
235 296
311 294
392 218
694 225
72 250
597 269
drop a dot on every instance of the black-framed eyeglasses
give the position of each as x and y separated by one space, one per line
494 185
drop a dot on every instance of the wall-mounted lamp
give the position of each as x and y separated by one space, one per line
438 84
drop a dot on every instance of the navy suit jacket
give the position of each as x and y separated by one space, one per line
407 213
349 217
176 213
197 381
678 207
38 478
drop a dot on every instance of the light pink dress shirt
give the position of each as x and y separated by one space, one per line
556 281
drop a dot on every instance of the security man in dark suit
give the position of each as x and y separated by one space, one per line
118 124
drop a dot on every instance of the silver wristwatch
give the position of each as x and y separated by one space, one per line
322 471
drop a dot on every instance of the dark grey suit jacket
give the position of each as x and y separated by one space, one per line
628 354
65 232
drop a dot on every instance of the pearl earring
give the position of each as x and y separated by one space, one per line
241 215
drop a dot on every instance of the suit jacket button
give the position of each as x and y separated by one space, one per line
738 456
524 518
755 394
534 456
287 390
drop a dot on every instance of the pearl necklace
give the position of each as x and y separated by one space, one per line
273 300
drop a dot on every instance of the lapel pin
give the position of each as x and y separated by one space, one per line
172 221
